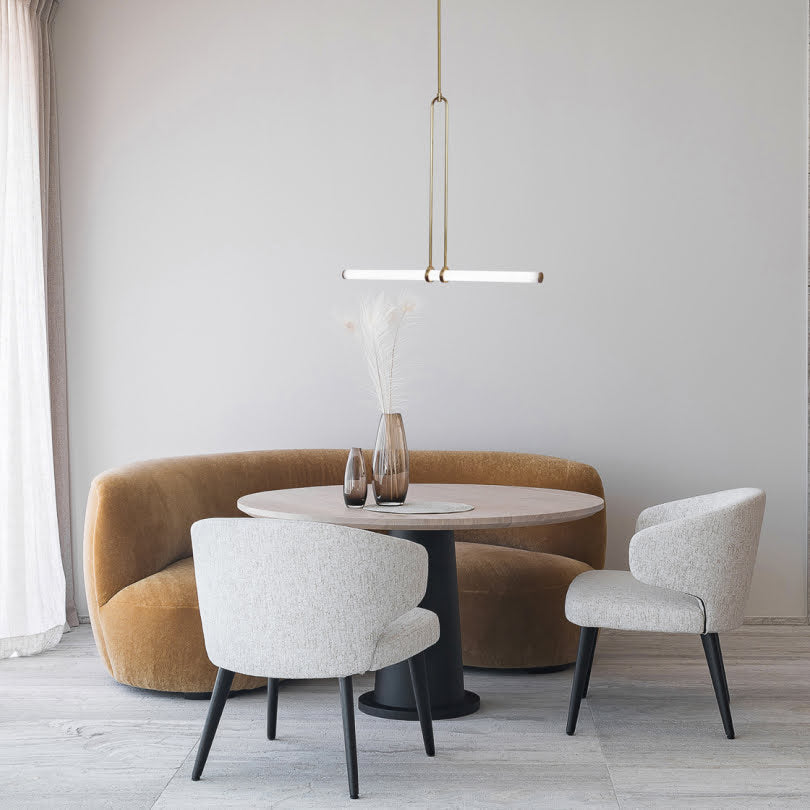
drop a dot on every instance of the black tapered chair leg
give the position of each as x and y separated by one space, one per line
587 645
349 738
272 707
716 643
218 698
419 682
590 663
714 658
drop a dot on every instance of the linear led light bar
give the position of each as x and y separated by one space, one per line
497 276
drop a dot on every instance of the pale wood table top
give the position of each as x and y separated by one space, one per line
495 507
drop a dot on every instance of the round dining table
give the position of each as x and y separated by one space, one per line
493 507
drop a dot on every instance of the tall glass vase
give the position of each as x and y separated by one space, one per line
390 464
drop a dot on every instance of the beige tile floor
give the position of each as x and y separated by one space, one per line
649 736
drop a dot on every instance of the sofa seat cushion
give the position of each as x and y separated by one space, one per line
500 569
616 599
512 605
173 587
153 633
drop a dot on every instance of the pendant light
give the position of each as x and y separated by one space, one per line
445 274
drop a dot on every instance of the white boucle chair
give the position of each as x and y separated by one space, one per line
287 599
691 564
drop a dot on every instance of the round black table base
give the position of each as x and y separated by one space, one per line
549 670
393 696
368 705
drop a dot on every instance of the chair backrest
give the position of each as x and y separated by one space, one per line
289 599
704 546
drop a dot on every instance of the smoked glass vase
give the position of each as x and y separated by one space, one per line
355 486
389 464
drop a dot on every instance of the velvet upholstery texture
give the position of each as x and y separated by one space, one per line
139 575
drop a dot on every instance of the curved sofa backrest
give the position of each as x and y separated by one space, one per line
139 517
583 540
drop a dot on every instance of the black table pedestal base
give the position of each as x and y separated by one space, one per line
470 703
392 697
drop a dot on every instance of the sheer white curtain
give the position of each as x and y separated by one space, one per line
32 580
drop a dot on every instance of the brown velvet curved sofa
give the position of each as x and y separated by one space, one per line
139 574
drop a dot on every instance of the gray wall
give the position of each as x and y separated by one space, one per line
221 162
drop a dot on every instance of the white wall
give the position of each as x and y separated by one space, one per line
221 162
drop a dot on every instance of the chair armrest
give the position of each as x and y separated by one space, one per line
667 554
400 570
710 555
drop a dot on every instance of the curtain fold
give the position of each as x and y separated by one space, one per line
35 593
55 293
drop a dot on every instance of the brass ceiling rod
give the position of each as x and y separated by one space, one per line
445 275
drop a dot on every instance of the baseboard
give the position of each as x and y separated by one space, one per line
786 620
84 620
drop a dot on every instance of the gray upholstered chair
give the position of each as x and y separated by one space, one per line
691 564
285 599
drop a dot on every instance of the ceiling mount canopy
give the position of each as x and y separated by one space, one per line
445 274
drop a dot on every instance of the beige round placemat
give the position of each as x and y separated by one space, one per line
423 508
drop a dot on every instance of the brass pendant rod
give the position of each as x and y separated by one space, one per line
445 275
439 49
429 269
438 99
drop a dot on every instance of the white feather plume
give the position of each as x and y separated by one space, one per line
380 330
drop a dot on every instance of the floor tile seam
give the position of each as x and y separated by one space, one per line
174 775
604 756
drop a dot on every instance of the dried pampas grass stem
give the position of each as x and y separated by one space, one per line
379 328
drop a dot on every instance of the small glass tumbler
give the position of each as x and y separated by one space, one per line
355 484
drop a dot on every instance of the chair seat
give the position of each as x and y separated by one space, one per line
406 636
616 599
